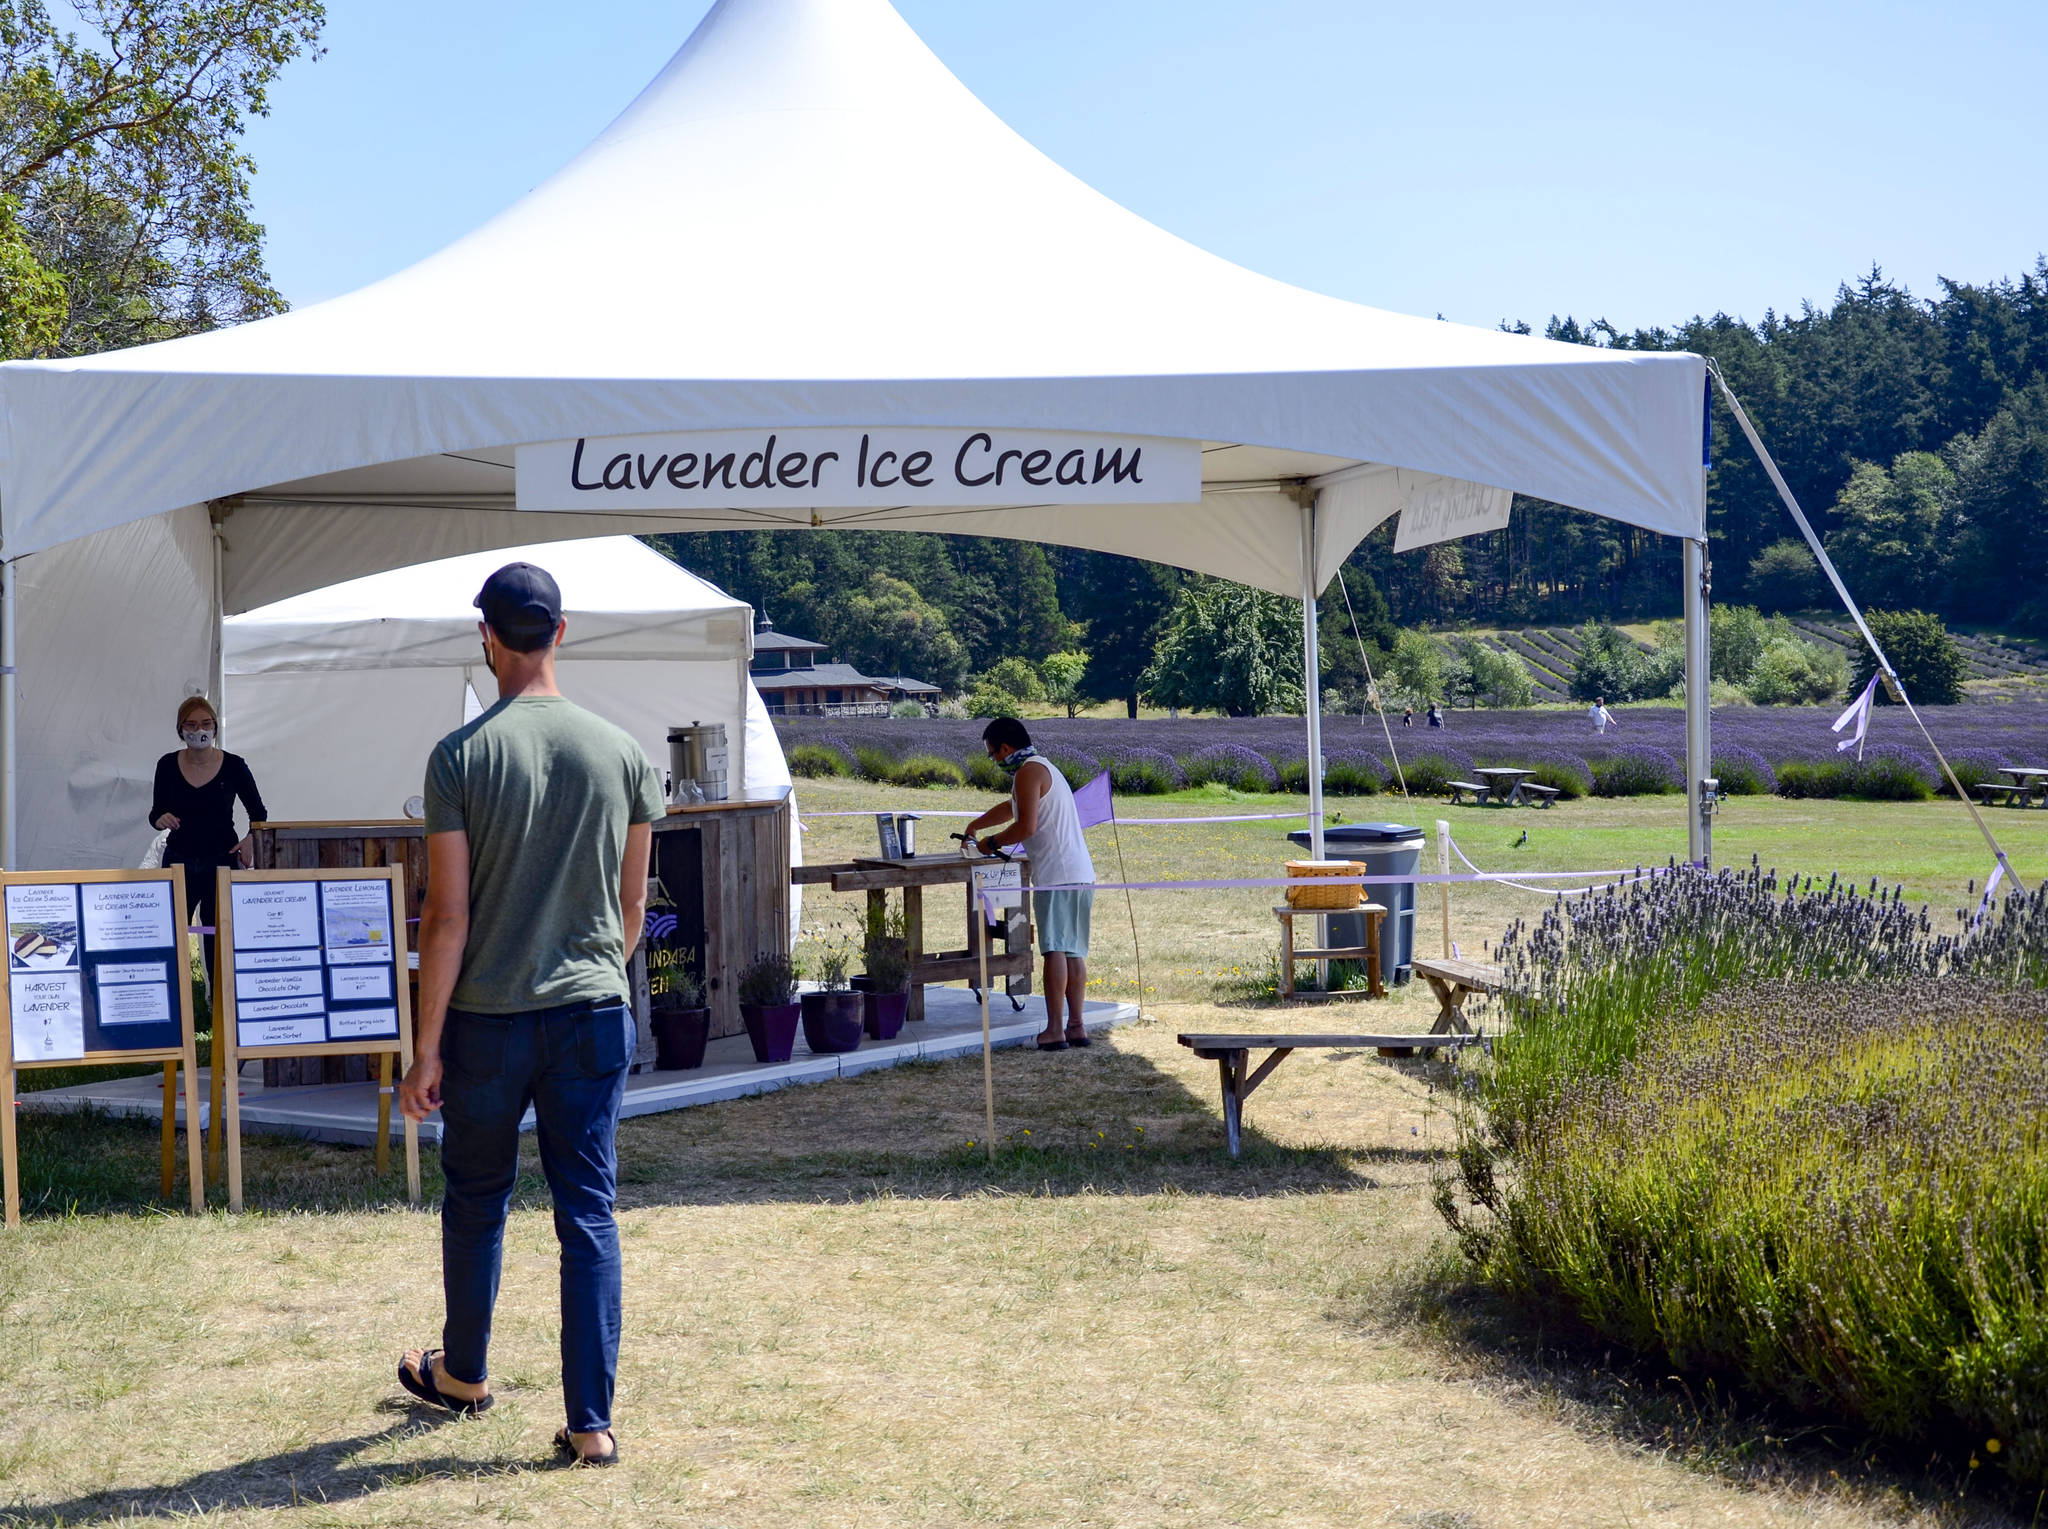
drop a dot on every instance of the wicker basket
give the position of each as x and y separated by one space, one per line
1312 895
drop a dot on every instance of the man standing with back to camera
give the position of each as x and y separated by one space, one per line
538 834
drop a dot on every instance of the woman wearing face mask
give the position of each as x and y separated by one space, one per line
196 787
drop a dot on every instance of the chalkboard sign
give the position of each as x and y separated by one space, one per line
97 974
314 964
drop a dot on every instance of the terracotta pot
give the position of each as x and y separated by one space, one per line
882 1013
772 1029
679 1038
832 1021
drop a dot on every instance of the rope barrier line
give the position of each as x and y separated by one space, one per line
1891 677
1500 876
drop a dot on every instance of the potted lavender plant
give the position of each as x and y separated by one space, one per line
832 1020
886 995
679 1020
768 1006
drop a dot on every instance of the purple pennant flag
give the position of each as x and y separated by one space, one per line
1093 802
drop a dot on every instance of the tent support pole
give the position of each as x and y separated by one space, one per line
10 731
217 679
1699 738
1312 687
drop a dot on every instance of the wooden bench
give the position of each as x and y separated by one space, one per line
1460 787
1232 1054
1993 793
1542 796
1369 952
1454 981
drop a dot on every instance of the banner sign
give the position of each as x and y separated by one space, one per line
1443 509
851 468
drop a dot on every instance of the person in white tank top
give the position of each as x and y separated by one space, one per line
1040 816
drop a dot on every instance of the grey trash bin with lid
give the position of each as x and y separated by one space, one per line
1385 849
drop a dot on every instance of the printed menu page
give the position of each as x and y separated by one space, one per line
317 962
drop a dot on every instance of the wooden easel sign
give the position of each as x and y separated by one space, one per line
314 964
96 973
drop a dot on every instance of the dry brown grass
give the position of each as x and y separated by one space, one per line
839 1313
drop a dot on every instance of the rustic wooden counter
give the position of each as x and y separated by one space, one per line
725 865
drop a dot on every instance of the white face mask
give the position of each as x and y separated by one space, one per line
198 738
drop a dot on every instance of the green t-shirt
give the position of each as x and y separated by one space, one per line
545 792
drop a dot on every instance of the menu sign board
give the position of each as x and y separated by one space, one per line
318 966
97 973
92 966
315 961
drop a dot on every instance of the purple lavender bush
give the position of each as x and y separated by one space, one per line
1139 771
1232 765
1786 1134
1637 769
1743 772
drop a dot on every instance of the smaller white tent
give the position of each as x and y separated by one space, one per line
337 696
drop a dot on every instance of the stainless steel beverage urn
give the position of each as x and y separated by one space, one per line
696 762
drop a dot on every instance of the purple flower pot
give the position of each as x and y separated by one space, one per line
680 1036
882 1014
772 1029
832 1021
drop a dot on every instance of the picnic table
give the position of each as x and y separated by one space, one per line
1504 784
2029 780
1232 1054
910 876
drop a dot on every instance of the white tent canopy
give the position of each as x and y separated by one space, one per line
805 221
336 696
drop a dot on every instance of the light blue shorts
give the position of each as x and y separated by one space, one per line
1062 919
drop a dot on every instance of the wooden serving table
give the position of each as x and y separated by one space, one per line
878 877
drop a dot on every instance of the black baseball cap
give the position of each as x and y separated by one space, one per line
523 605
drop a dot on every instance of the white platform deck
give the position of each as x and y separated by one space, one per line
347 1112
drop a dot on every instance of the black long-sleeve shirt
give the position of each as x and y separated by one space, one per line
205 834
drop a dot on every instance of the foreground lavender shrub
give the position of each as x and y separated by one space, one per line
985 774
1144 772
1886 773
1743 772
1835 1192
1637 769
1230 764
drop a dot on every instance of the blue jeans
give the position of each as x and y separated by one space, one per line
570 1064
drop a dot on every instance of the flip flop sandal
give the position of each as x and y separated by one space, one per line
564 1445
422 1385
1055 1046
1079 1041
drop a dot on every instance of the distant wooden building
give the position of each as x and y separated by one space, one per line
795 681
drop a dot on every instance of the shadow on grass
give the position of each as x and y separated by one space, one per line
324 1473
1104 1121
1547 1356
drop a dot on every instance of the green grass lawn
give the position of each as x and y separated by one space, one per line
839 1313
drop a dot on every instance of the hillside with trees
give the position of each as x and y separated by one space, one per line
1915 432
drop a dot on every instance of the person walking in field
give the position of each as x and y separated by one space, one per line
1600 716
1040 815
538 836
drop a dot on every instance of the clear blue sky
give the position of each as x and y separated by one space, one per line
1641 162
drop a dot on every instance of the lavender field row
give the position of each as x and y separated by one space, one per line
1763 748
